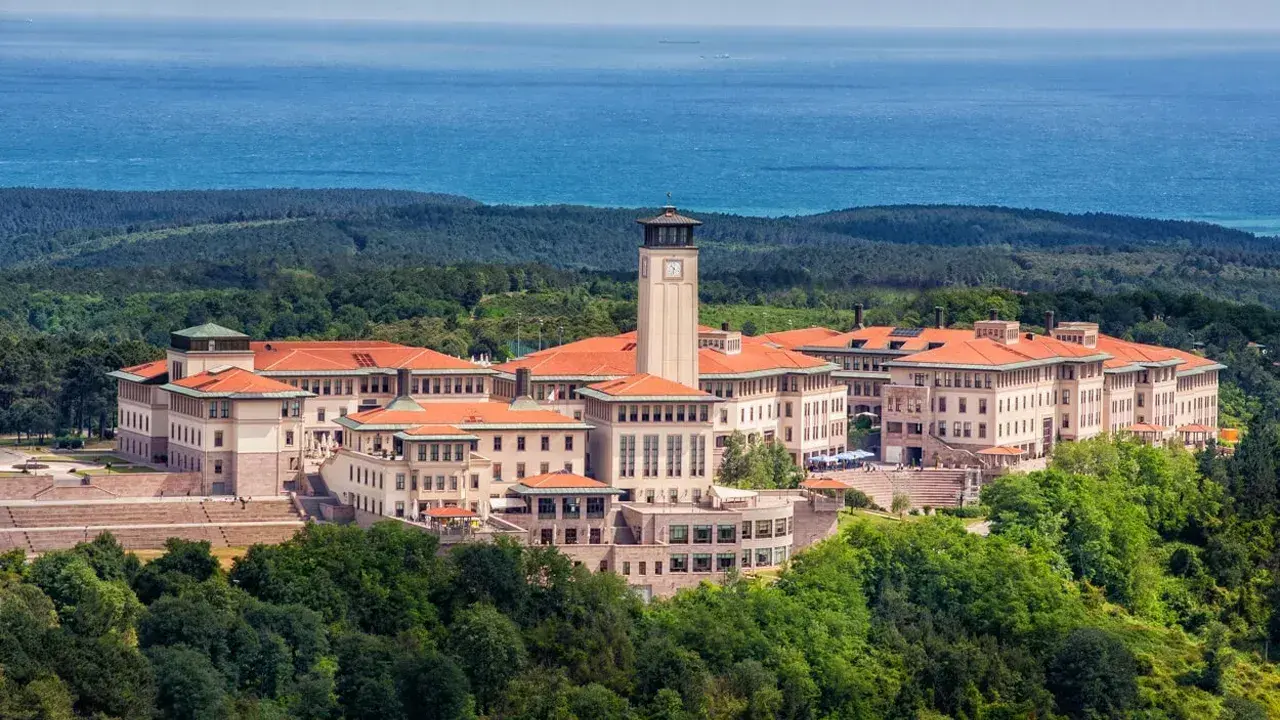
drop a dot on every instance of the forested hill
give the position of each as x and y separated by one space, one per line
57 231
38 211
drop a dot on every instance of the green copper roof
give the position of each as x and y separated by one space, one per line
209 330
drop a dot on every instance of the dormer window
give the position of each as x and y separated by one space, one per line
897 344
857 343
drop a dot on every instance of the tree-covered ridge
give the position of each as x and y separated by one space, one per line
968 246
1118 584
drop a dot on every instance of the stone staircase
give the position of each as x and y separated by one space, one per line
932 487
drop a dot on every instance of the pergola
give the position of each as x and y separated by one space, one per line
1002 455
1148 433
1195 434
450 519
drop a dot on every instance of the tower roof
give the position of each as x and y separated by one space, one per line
208 331
669 218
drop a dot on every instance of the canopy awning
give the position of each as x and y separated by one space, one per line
1001 450
445 513
732 493
505 503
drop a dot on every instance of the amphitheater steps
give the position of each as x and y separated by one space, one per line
39 527
935 488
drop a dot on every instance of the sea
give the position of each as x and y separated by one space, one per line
752 121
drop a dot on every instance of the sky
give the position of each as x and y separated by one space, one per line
1149 14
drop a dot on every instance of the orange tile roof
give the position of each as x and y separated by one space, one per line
322 356
879 337
148 370
646 385
450 512
987 352
236 381
1195 428
590 357
825 484
560 480
756 356
792 339
616 356
458 413
427 430
1134 352
1146 427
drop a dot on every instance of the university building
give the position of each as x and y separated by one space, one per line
608 446
997 393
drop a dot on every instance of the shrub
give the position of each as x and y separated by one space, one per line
857 499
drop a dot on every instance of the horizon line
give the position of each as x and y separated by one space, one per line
5 15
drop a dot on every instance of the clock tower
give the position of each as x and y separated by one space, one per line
667 310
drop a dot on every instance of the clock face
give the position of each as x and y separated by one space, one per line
674 268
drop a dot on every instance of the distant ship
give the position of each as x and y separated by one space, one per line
679 42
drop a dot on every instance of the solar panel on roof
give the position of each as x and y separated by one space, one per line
363 359
906 332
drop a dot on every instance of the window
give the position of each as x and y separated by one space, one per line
225 406
213 409
545 444
702 563
422 452
724 561
546 508
399 503
764 528
288 437
571 538
568 442
626 567
439 483
643 567
217 467
572 508
678 563
982 406
497 443
399 481
547 536
678 534
519 471
746 529
217 438
520 443
780 527
320 414
657 567
702 534
726 533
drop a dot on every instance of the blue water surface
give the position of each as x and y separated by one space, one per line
748 121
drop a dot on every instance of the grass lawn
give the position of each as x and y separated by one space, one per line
118 470
850 516
225 556
16 473
55 458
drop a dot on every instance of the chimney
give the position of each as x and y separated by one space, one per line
857 317
1048 322
522 382
724 326
993 314
937 316
402 382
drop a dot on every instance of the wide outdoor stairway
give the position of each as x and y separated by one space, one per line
139 525
935 488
